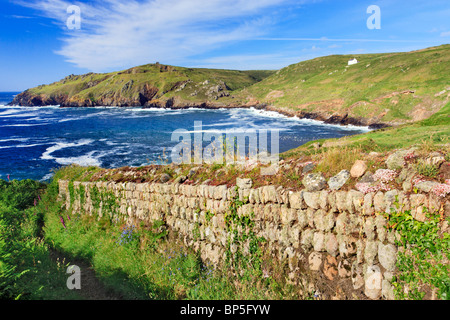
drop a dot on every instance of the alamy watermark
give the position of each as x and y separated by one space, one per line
73 22
374 21
74 281
246 146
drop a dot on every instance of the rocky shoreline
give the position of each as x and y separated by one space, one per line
27 99
340 119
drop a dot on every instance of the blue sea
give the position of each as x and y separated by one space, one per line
34 141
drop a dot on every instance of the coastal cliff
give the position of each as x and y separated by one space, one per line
380 90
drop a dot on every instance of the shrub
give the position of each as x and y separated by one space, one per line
423 255
428 170
334 160
20 194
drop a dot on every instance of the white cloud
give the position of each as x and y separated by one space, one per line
445 34
20 17
121 33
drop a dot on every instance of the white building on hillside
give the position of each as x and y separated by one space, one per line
352 61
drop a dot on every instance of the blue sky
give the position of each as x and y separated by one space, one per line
37 47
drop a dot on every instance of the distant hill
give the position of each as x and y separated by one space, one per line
151 85
380 89
389 88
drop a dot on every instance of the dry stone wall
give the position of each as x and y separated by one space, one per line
333 241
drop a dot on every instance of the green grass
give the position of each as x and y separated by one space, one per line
435 129
427 170
428 134
359 89
128 84
26 268
423 259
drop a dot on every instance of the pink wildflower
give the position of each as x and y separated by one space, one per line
62 221
367 187
441 189
409 155
384 175
418 180
364 187
384 187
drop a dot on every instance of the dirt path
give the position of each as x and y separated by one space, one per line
91 287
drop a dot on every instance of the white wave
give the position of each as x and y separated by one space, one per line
68 119
79 118
268 113
91 158
25 125
165 111
126 153
222 124
111 143
84 160
35 119
15 139
138 109
62 145
274 114
23 115
48 176
9 113
236 130
33 107
51 107
96 107
348 127
107 113
151 112
46 120
25 145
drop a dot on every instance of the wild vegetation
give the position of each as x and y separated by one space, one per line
27 270
430 134
423 259
139 261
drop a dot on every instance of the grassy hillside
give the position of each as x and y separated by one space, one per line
432 133
392 86
148 85
384 88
